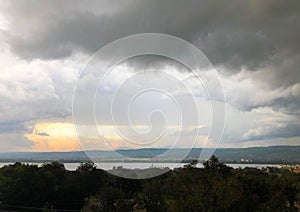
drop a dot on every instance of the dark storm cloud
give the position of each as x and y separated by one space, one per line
232 33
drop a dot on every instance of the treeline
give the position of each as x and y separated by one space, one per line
216 187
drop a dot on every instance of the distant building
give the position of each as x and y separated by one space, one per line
296 170
244 160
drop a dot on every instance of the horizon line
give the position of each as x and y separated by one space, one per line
130 149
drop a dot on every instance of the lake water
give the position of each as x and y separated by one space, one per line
108 166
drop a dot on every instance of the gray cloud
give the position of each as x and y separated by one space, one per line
13 142
254 44
42 134
268 124
34 90
235 32
257 35
12 127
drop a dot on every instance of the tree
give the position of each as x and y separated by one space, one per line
213 164
86 167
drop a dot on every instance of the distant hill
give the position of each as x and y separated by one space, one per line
272 154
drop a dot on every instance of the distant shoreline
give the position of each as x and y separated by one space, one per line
141 161
253 155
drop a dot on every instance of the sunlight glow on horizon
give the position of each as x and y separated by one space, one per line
61 136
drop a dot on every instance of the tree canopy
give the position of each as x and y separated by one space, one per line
216 187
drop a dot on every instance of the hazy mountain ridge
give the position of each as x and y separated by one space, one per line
272 154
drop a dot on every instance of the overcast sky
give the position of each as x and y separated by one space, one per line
253 45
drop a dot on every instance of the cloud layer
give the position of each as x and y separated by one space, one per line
254 45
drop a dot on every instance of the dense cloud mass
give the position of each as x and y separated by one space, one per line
234 33
254 46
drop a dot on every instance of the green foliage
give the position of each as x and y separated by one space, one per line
215 187
86 167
